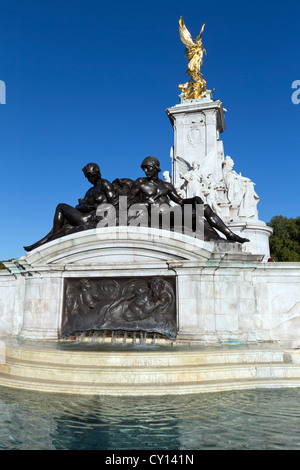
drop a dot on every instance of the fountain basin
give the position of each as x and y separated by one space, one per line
120 370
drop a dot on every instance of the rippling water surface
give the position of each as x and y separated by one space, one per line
262 419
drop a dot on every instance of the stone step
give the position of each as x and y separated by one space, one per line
140 358
142 389
144 372
148 374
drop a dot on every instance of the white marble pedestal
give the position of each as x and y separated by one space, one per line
222 293
197 127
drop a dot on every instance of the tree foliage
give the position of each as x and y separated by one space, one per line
285 240
2 265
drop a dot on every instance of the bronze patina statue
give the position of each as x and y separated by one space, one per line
136 304
66 217
149 192
156 191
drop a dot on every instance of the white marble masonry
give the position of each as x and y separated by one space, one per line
223 293
197 125
199 167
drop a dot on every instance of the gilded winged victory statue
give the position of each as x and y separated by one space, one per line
196 86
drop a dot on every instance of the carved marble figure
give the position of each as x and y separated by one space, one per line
240 191
193 179
210 194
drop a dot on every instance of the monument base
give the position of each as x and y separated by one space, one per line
236 318
220 292
257 232
71 367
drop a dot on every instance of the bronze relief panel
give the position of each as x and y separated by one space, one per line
146 304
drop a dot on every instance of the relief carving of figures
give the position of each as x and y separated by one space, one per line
192 179
196 184
84 297
139 304
195 175
139 300
210 194
240 191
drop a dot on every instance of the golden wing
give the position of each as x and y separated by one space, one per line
200 35
185 36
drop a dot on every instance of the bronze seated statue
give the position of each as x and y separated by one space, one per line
145 193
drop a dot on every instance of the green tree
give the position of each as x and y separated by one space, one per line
285 240
2 265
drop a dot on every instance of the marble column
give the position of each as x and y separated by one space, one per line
197 125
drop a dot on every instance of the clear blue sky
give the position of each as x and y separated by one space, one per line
91 80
